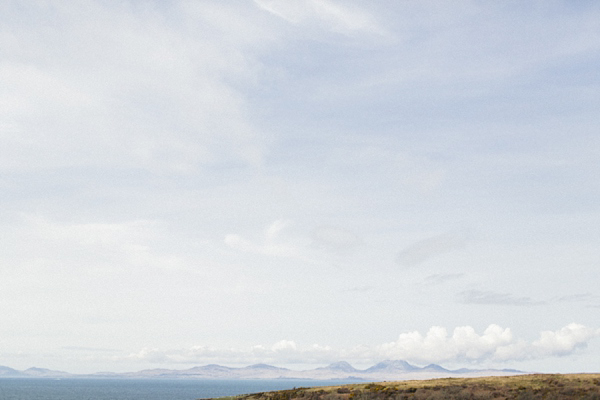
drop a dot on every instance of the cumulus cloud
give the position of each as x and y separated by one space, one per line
463 345
495 344
284 345
437 346
564 341
421 251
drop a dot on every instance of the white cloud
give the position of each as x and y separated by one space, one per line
284 345
150 354
275 229
565 340
465 345
495 344
437 346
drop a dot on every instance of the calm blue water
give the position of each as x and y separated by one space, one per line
134 389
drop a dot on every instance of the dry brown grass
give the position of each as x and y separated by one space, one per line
522 387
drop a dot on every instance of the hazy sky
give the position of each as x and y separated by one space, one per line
299 183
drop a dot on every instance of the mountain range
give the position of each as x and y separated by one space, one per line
385 370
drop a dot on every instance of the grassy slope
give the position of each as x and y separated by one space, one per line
536 386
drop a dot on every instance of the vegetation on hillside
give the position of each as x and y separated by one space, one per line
522 387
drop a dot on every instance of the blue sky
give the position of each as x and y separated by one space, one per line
299 183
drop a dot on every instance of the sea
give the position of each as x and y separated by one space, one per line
141 389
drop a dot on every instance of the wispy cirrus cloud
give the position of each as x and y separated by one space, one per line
335 238
329 15
422 250
489 297
578 297
438 279
154 146
132 91
129 243
360 289
273 242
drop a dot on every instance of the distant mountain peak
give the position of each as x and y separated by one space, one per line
44 372
340 366
263 366
211 367
391 366
385 370
434 367
7 371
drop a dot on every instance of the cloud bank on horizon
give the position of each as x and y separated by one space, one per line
496 344
182 172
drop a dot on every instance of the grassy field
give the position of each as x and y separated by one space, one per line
535 386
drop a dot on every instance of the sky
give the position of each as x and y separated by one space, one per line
299 183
